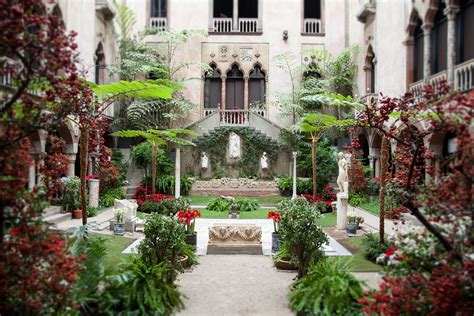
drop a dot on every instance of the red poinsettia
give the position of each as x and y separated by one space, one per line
188 219
276 220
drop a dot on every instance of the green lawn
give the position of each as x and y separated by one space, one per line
358 261
262 200
114 246
372 207
327 220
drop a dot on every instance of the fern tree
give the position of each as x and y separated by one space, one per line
157 138
318 125
105 95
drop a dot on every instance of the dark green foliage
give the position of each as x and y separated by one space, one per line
301 234
357 199
71 197
247 205
92 211
219 204
116 160
328 289
255 144
141 156
284 254
165 184
326 163
372 247
165 243
165 207
107 198
303 186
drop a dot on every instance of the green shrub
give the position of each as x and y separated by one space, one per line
247 205
372 247
107 198
303 186
328 289
297 203
165 184
116 160
165 207
182 203
219 204
301 234
72 194
92 211
149 290
164 242
141 156
357 199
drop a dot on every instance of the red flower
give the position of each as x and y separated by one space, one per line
390 251
271 214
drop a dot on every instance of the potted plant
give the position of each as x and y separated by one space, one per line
351 225
188 219
359 221
284 260
234 210
276 238
72 201
119 227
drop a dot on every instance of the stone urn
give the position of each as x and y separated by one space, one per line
276 242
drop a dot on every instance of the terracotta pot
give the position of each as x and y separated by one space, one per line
77 214
286 265
191 239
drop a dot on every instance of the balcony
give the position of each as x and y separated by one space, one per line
312 27
463 79
158 24
244 25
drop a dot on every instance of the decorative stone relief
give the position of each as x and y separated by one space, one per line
246 54
240 183
221 233
234 145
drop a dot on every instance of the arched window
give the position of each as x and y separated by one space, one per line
256 87
234 98
99 65
418 59
464 31
439 40
212 88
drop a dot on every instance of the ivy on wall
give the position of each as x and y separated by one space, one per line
252 147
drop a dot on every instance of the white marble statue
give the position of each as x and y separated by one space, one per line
342 177
204 161
264 161
234 145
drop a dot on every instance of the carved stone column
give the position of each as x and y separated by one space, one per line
177 174
223 78
246 92
451 13
32 175
71 167
371 164
377 166
427 51
235 16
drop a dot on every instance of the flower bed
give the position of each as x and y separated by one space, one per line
151 203
327 197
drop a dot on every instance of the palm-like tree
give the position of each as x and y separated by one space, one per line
318 125
157 138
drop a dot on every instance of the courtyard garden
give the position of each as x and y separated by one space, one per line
305 219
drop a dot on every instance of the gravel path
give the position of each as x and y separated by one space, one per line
235 285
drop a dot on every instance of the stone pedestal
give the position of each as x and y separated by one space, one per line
130 216
342 204
94 192
235 239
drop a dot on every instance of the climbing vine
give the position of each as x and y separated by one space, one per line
253 144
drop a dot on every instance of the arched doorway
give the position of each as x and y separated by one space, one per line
212 88
234 99
257 88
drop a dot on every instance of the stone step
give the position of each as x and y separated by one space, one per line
52 210
57 218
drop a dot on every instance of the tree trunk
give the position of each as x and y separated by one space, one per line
315 184
383 180
2 221
154 149
83 160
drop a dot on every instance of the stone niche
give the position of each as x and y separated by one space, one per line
246 55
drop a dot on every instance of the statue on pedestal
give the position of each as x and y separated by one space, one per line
342 177
234 145
264 161
204 161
